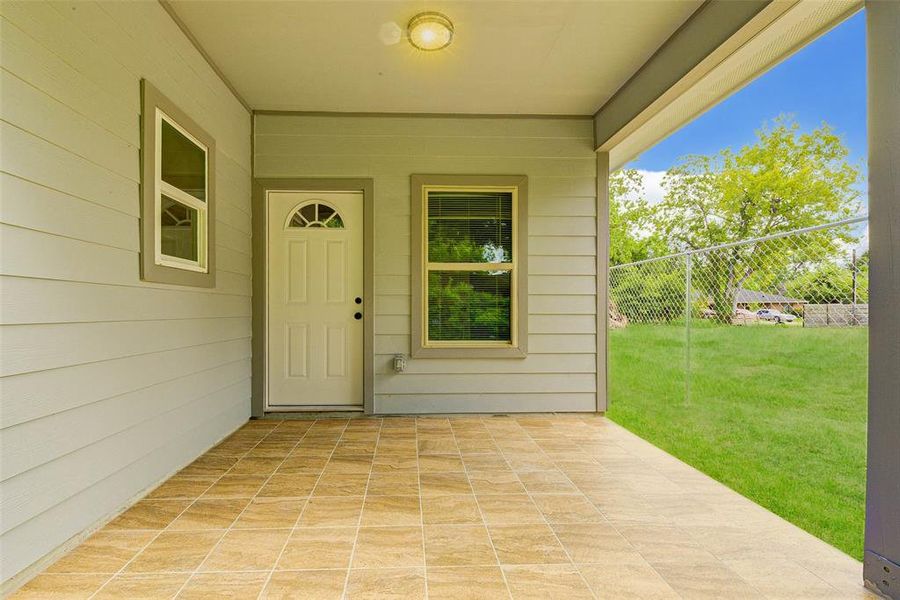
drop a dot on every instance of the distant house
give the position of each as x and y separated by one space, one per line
753 300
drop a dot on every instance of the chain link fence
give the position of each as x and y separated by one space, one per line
748 360
755 317
813 277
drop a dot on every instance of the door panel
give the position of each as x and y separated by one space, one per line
315 345
335 351
297 271
336 271
297 350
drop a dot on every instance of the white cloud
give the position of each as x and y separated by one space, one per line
864 241
861 231
653 189
653 193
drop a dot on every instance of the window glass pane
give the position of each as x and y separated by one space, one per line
178 229
317 215
183 162
325 211
308 213
469 305
473 227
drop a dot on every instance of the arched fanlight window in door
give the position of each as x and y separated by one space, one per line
316 214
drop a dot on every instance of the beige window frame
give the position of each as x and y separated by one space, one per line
157 266
422 346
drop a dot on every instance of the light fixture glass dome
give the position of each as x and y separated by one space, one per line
430 31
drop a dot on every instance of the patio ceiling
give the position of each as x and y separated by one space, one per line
536 57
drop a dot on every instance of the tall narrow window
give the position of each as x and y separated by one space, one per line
177 213
472 267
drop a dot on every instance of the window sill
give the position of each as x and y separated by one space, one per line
469 352
184 266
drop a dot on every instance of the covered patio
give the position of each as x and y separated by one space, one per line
300 300
534 506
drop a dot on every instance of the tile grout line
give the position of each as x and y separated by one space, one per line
421 504
314 527
361 510
186 508
553 531
613 525
671 523
392 568
543 516
229 528
484 521
305 506
551 455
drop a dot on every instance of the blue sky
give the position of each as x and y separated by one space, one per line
825 81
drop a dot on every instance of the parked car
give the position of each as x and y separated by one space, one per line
770 314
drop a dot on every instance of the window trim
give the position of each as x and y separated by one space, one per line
429 266
163 188
156 266
421 346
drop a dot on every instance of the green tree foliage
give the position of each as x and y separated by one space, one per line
631 233
832 283
468 305
465 250
651 292
786 180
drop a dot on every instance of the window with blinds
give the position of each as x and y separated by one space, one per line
470 266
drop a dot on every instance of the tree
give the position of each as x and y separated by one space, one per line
465 305
786 180
469 305
832 283
829 284
631 234
652 292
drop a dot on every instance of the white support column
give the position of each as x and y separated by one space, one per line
602 277
882 545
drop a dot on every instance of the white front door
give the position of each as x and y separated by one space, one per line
315 281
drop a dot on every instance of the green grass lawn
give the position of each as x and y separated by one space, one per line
777 413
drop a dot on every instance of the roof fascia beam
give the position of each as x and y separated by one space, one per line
711 34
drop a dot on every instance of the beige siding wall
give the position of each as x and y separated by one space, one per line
556 155
108 383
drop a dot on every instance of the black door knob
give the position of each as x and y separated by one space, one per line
358 316
358 300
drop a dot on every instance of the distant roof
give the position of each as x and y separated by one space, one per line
753 297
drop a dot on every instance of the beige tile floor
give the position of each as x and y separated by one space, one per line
536 506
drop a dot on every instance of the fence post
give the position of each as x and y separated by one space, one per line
853 319
687 327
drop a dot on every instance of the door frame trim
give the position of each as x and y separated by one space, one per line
260 260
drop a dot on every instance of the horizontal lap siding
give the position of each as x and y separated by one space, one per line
186 433
556 155
108 383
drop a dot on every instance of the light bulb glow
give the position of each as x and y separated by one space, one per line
430 31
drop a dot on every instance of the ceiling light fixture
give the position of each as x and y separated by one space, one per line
430 31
